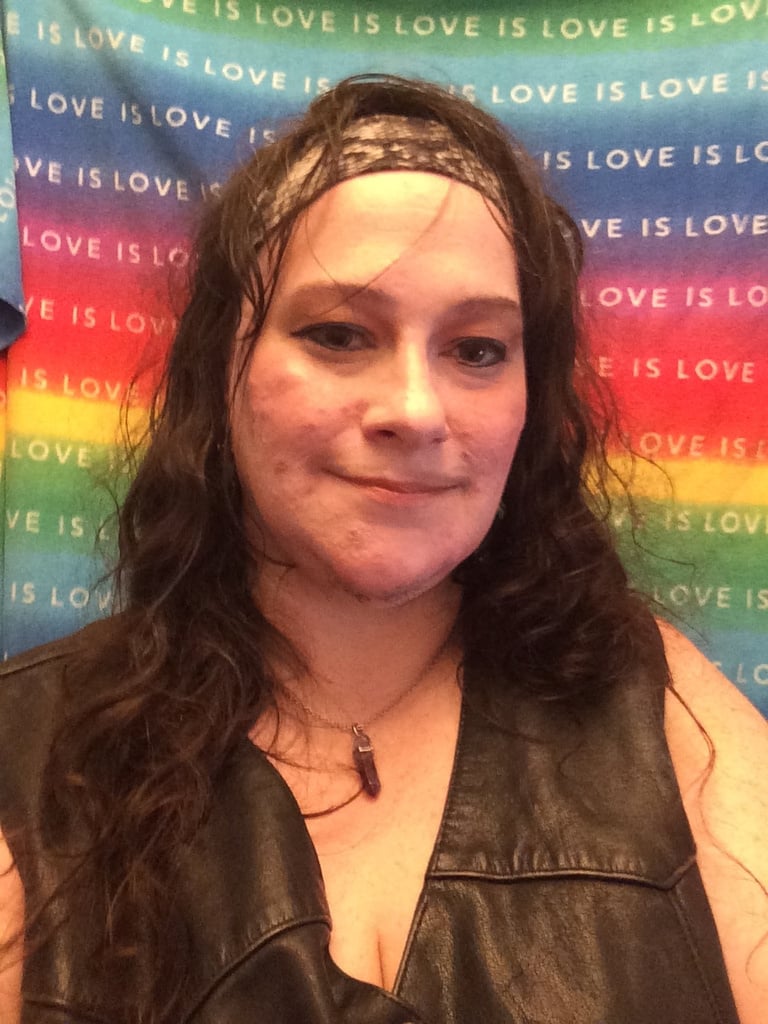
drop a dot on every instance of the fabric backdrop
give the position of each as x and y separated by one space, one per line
649 118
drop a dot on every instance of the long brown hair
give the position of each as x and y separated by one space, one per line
178 676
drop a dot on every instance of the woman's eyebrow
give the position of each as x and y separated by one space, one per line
484 304
337 292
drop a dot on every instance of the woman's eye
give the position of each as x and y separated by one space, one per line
480 352
333 336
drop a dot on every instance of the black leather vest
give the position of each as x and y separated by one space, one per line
563 888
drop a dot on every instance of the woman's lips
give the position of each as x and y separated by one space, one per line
401 491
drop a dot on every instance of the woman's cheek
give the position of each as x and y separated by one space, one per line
490 453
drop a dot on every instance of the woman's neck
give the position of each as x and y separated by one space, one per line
359 655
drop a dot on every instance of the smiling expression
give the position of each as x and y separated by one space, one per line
380 410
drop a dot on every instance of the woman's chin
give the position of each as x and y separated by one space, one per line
392 586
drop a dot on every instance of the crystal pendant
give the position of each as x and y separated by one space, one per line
362 753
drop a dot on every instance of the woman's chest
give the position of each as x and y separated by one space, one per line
373 857
373 888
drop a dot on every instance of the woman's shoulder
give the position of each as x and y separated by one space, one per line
718 742
56 650
39 663
711 727
33 703
39 671
30 694
30 691
11 922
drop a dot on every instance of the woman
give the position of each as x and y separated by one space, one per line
378 665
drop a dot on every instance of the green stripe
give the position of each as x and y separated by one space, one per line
705 562
44 495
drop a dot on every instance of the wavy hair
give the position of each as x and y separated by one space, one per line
183 670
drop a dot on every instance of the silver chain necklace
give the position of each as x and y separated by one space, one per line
362 748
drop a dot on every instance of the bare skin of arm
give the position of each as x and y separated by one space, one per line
727 804
11 918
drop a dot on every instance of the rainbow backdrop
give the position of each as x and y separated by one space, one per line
650 119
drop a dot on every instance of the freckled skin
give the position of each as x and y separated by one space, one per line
324 423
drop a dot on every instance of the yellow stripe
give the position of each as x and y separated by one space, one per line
32 415
699 481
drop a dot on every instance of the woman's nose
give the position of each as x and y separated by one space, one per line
407 402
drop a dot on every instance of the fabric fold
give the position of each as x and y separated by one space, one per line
12 308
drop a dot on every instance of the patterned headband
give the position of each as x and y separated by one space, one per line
383 142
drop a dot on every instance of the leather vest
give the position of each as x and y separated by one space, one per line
563 887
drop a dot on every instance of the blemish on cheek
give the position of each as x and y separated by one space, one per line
355 539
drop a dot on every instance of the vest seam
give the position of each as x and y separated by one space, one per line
685 926
62 1006
225 971
94 1017
604 874
38 657
409 942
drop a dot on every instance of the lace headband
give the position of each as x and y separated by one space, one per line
383 142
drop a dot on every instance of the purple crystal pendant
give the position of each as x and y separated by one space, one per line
362 753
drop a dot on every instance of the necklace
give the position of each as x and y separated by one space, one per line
362 748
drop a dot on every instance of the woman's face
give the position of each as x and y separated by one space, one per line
382 404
